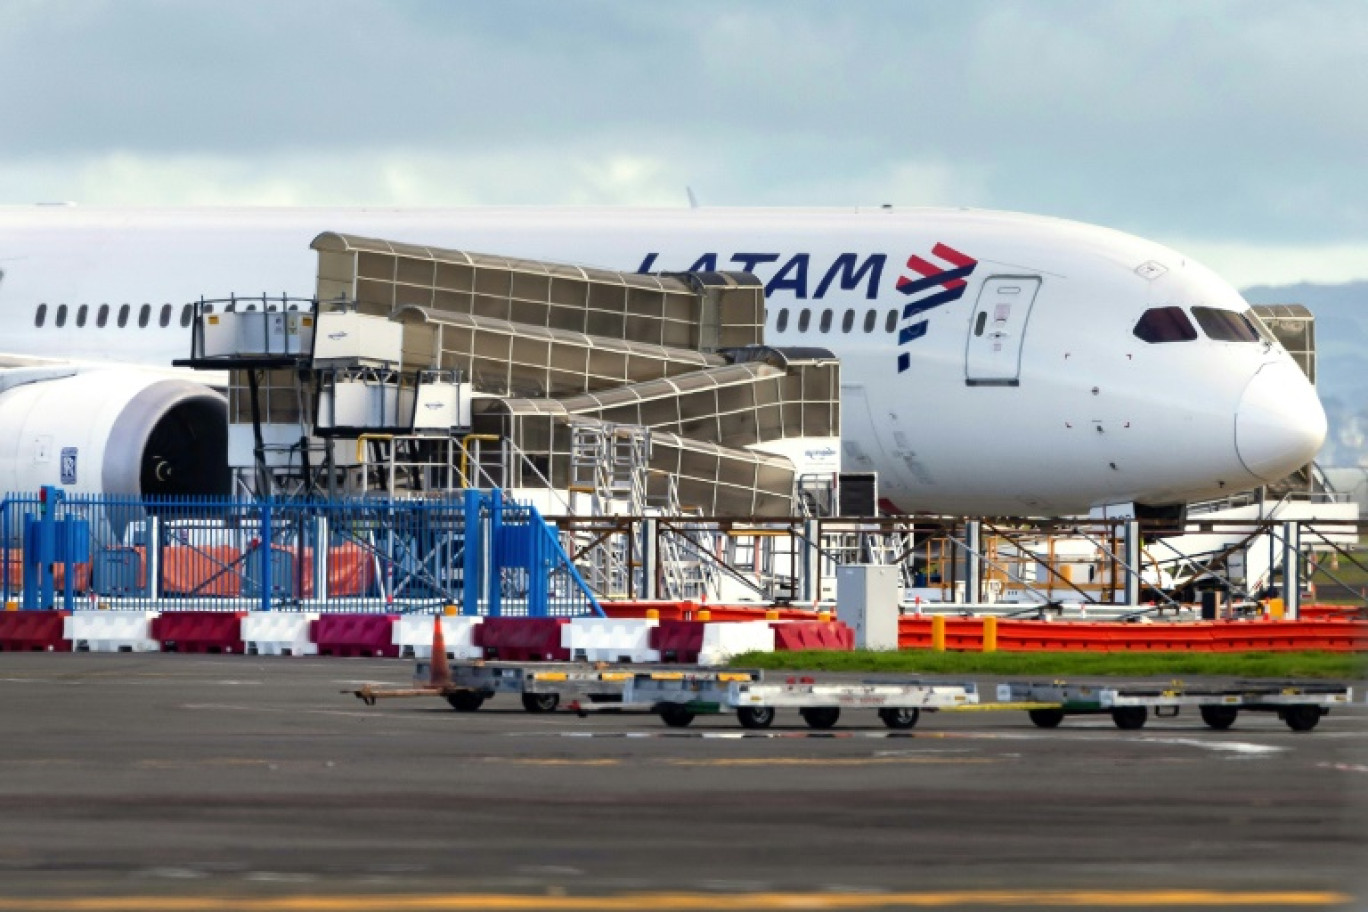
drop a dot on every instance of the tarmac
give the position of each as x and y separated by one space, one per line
162 781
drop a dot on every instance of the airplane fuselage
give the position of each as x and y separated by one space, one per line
992 363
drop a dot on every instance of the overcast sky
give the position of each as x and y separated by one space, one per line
1236 131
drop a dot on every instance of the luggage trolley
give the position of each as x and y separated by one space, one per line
679 697
1299 705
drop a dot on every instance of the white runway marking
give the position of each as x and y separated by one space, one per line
1236 747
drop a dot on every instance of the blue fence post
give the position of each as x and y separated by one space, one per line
470 553
538 569
5 535
265 557
494 583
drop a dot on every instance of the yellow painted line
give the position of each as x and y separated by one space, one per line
550 761
684 902
997 707
818 761
733 676
551 676
667 676
615 676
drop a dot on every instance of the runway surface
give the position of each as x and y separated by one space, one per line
228 782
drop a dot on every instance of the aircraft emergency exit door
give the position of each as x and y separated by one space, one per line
993 354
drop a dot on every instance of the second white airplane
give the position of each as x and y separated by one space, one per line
992 363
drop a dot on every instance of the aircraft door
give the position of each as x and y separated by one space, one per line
993 355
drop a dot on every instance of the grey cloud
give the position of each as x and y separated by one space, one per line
1231 120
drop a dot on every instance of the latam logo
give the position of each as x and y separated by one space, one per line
938 285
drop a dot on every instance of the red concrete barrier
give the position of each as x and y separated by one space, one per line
355 635
518 639
1201 636
796 636
678 641
199 631
33 631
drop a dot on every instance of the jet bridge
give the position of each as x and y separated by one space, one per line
411 353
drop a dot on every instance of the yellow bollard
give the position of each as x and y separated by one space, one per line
11 606
702 614
1276 609
938 633
652 614
990 634
451 610
824 617
771 615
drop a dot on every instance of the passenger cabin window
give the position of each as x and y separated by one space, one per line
826 321
61 315
123 316
848 321
40 316
1225 325
144 314
81 313
1165 324
871 318
804 318
165 318
187 314
980 322
102 316
892 322
782 323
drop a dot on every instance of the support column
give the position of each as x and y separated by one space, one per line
650 558
973 562
1130 549
1291 560
810 562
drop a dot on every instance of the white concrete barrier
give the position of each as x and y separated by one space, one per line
278 633
723 640
413 635
610 639
112 631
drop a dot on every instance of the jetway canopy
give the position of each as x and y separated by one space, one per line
511 359
703 311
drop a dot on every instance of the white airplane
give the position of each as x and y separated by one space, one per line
992 363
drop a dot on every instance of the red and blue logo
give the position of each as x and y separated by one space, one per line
938 285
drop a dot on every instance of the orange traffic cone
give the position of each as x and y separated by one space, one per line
441 670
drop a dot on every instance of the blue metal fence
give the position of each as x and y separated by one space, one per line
478 551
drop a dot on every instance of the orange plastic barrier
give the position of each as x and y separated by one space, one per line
1203 636
688 610
81 580
210 570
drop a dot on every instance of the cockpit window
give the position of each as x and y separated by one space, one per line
1165 324
1225 325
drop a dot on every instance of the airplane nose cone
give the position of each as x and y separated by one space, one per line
1279 423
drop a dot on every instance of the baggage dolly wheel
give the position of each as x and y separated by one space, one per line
755 716
820 716
1219 717
1301 718
540 702
900 717
675 715
466 701
1130 718
1046 718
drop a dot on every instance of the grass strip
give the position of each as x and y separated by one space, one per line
1329 665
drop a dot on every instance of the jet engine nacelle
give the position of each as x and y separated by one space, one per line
114 432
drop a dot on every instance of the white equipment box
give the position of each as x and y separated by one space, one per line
345 336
